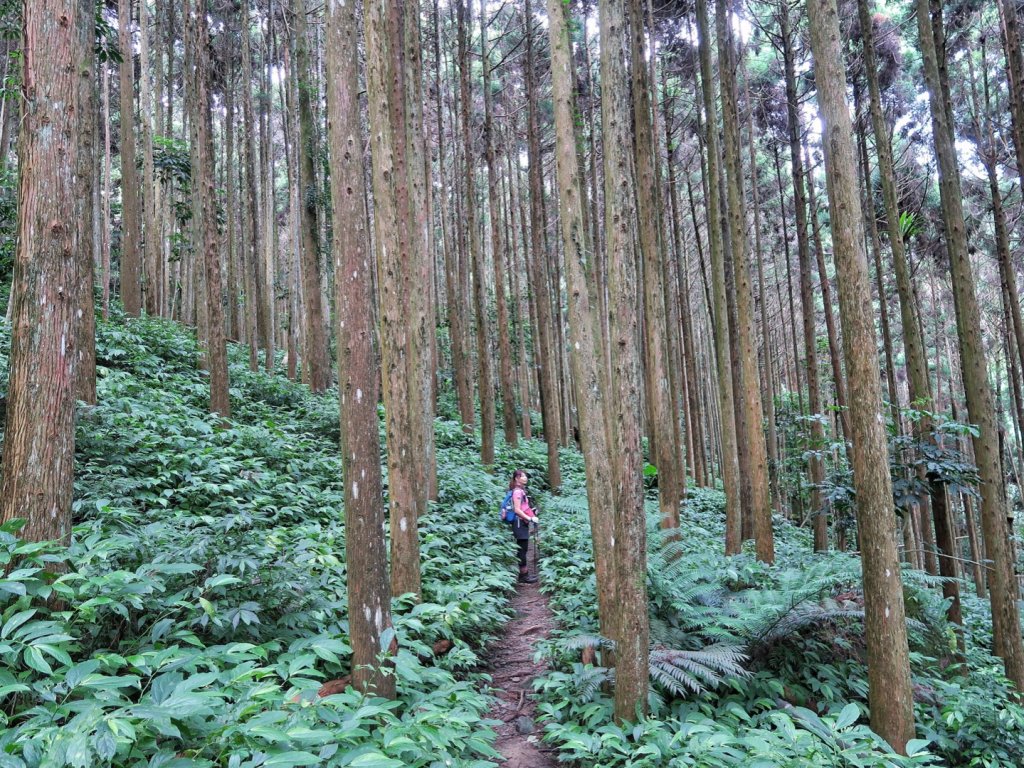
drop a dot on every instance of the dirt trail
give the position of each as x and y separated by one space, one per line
512 667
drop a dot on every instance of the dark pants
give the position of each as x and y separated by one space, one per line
524 545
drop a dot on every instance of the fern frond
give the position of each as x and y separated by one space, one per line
682 672
579 642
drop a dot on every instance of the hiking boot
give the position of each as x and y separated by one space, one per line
525 578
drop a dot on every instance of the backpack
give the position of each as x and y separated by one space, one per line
508 511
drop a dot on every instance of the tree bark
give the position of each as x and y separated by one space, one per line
546 354
54 244
257 302
498 246
198 85
730 469
889 693
752 443
485 371
399 260
815 462
316 353
587 345
631 671
369 594
151 239
664 447
131 224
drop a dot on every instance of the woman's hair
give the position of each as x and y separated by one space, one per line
515 476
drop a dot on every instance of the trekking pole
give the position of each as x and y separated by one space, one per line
534 550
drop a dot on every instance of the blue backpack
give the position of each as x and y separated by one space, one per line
508 511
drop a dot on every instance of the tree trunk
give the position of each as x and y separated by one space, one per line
54 244
729 466
889 694
87 215
752 441
198 86
369 595
657 386
913 343
508 400
131 225
316 353
815 462
1010 25
105 215
257 301
151 240
631 671
980 408
587 345
545 352
399 261
485 374
830 324
461 359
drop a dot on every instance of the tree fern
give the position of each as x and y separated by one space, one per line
682 672
678 671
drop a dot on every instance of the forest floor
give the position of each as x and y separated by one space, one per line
513 670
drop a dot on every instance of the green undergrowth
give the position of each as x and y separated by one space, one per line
202 601
800 697
202 604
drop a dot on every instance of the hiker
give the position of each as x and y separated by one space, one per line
524 517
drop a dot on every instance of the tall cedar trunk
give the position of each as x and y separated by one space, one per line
87 216
889 694
131 277
632 651
272 260
1010 24
257 301
838 379
421 323
795 367
151 240
988 153
105 204
508 400
667 278
876 255
316 353
753 441
545 353
695 432
694 436
54 246
729 465
198 85
768 373
369 595
980 409
585 327
485 375
399 260
232 326
815 461
657 387
522 315
913 344
461 360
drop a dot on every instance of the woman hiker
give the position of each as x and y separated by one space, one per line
525 515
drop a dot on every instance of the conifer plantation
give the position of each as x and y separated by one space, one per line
290 290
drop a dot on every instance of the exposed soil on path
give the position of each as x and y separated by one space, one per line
512 667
